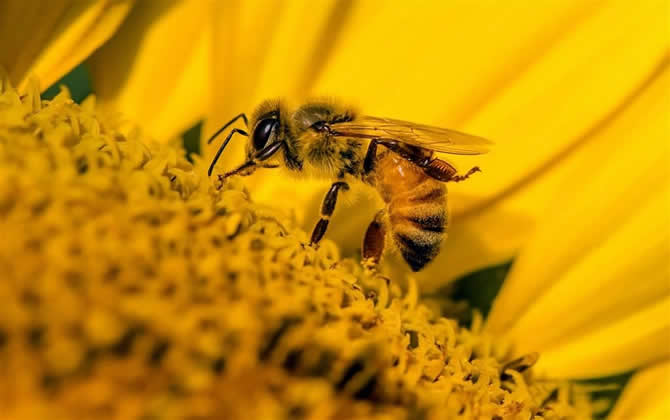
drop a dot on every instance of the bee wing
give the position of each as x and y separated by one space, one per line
424 136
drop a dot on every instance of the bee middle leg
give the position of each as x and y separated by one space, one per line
327 209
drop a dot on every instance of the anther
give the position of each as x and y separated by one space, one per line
520 365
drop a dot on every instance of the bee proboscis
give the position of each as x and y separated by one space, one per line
396 157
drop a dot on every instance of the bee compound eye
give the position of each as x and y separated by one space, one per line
262 132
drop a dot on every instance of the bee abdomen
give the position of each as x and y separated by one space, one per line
415 250
429 192
418 234
418 222
416 209
431 223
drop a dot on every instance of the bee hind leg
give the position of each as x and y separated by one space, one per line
445 171
374 242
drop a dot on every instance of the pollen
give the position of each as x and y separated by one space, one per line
134 286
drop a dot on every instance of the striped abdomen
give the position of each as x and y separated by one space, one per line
416 208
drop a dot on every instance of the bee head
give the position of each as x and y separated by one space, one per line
268 134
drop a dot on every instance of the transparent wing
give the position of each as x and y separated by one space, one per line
424 136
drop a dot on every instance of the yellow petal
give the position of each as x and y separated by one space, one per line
626 344
645 396
557 102
269 49
48 39
588 290
156 68
603 175
612 270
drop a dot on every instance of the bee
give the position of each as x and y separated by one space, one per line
327 140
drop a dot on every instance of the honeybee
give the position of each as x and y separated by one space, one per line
328 140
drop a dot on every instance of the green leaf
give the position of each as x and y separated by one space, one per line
481 287
191 138
612 388
78 81
477 289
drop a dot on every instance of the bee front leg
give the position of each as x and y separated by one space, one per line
327 209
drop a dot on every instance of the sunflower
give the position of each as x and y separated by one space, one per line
576 193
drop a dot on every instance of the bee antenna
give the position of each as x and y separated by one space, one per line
226 125
223 146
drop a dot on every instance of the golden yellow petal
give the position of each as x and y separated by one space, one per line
645 396
266 49
637 249
603 175
553 106
586 289
156 68
47 39
631 342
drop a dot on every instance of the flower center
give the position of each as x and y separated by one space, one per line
135 286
